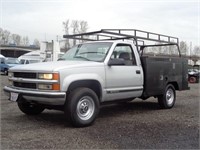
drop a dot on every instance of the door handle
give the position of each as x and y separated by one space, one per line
137 71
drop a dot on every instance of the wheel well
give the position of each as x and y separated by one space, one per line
92 84
175 84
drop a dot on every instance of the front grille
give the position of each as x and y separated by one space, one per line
25 75
25 85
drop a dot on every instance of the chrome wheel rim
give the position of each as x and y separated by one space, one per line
85 108
170 97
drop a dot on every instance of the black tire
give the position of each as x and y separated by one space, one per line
6 71
82 107
30 109
167 100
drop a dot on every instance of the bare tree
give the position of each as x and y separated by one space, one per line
36 42
6 37
195 58
196 54
83 26
16 39
183 47
196 50
25 41
1 36
66 29
75 29
173 49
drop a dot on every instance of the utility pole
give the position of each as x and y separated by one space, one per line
191 52
57 38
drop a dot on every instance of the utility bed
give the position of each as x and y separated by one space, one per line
159 71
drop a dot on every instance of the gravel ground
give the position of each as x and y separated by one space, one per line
136 125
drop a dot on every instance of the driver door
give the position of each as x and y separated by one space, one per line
123 80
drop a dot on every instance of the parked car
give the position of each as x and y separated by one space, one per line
29 61
193 75
8 62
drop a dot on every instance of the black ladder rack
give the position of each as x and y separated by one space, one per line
137 36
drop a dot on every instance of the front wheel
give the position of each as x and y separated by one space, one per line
82 107
167 100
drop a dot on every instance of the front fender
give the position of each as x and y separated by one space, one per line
80 77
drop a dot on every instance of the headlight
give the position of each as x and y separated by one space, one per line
48 76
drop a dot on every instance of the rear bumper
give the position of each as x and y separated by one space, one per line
41 97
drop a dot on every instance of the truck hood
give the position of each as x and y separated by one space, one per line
55 66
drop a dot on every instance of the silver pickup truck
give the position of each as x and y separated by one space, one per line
95 72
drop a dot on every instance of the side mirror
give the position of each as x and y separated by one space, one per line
116 62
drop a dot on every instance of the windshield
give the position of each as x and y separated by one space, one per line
88 52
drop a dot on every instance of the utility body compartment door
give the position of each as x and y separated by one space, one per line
123 80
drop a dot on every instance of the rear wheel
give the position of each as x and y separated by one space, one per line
167 100
82 107
30 109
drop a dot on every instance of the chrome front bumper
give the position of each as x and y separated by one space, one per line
41 97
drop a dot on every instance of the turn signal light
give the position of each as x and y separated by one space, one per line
56 87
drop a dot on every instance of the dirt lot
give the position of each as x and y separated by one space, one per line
136 125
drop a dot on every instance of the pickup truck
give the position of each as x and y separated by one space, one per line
109 69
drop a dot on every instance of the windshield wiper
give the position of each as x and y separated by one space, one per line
92 52
60 59
82 58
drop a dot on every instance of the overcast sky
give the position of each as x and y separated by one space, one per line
42 19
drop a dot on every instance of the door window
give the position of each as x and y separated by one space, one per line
124 52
